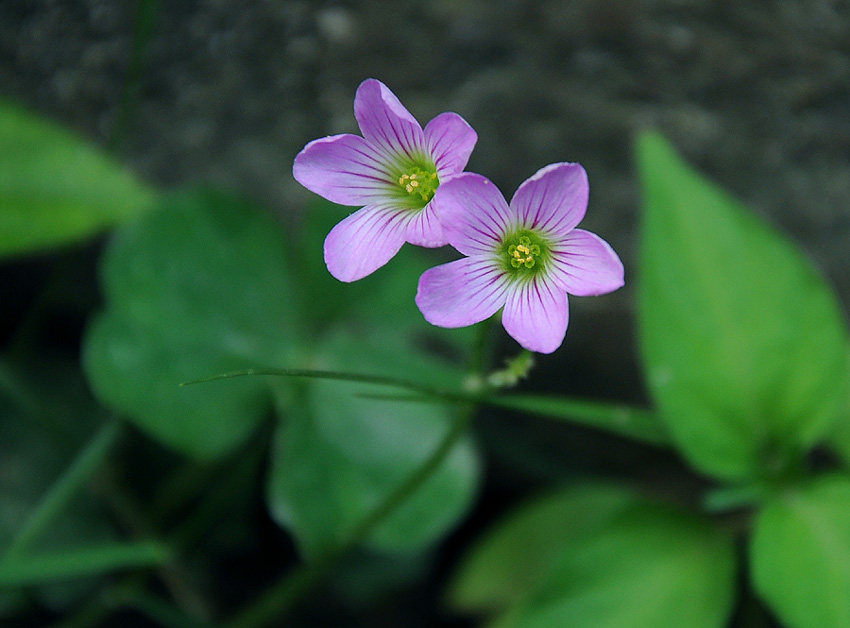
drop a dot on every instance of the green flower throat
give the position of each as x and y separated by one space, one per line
417 184
524 253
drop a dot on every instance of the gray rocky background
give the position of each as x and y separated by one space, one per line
756 94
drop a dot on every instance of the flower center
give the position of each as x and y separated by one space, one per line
524 253
420 183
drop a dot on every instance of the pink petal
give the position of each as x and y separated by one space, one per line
344 169
424 228
474 213
586 265
363 242
450 140
461 293
536 315
385 122
554 199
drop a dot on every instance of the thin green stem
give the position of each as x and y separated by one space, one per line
285 593
78 562
288 590
64 489
481 352
379 380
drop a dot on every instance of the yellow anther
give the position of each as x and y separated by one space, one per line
419 182
523 253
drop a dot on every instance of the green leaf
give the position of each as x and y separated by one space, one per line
75 563
198 287
519 553
73 478
55 188
644 565
617 418
745 347
46 418
800 554
339 455
839 439
384 298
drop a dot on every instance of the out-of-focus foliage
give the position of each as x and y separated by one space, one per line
341 442
56 188
207 284
747 357
593 556
45 416
522 551
800 553
198 287
746 351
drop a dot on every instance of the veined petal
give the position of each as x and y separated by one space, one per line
536 315
461 293
363 242
450 140
474 214
424 228
344 169
554 199
385 122
585 265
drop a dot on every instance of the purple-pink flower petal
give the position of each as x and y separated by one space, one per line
461 293
385 122
536 315
345 169
424 229
554 199
524 257
363 242
586 265
450 140
392 171
474 213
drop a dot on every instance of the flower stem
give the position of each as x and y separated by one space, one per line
285 593
64 489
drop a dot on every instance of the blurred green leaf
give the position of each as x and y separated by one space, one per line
46 417
620 419
515 557
745 347
384 298
364 578
839 438
642 565
85 561
198 287
800 554
339 455
73 478
55 188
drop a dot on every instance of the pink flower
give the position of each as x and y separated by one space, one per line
524 257
392 172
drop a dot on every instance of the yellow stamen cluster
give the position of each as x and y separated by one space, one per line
522 254
419 182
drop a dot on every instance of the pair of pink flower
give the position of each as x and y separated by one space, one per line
523 257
